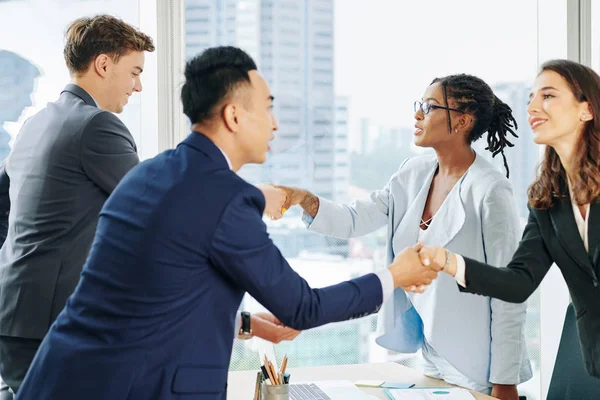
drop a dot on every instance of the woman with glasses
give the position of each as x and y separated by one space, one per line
564 207
453 198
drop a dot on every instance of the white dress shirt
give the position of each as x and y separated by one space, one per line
582 227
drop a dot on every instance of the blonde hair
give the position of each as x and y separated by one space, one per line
86 38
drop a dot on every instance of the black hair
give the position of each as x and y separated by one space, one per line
210 77
472 95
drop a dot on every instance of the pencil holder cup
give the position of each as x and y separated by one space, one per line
275 392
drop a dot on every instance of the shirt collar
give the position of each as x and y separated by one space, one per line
225 155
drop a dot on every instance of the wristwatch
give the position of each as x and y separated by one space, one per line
245 329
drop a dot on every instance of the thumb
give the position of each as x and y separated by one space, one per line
417 247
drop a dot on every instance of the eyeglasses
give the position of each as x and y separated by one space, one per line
426 107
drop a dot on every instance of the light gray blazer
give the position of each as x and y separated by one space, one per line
483 338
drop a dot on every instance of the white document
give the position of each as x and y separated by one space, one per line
431 394
266 348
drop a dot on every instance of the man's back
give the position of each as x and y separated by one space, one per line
178 243
65 162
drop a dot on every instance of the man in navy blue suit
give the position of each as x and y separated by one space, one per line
178 243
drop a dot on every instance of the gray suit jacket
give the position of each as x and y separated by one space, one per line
65 162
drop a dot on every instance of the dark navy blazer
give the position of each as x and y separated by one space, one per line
178 243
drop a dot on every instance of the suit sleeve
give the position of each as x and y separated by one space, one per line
355 219
4 202
521 277
500 227
108 151
242 250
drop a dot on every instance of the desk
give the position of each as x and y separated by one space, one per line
241 383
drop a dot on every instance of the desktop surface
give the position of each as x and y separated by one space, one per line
241 383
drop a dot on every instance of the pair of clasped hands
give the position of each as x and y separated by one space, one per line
413 269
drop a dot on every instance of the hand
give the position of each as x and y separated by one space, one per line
505 392
266 326
274 200
294 195
408 270
435 257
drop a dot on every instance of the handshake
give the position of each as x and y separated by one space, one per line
413 269
417 266
278 199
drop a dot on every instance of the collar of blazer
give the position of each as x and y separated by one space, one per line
565 228
79 92
202 143
448 220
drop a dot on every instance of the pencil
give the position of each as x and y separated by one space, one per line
273 373
257 387
284 364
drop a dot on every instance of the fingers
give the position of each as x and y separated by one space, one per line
275 215
424 257
416 289
417 247
269 317
427 255
286 334
287 203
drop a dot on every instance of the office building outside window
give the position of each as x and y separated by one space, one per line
32 67
344 75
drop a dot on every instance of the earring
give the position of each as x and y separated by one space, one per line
456 130
584 117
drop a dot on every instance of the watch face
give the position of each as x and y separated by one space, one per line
245 322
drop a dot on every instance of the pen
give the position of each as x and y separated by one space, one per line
286 378
264 372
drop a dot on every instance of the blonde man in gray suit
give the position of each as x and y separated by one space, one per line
65 162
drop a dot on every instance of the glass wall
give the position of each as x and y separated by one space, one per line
32 67
345 75
595 35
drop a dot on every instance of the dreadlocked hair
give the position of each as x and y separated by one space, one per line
472 95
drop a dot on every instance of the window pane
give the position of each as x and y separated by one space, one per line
32 68
595 36
345 75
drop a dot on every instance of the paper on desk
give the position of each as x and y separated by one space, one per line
266 348
368 383
431 394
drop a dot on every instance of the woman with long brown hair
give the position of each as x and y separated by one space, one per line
564 203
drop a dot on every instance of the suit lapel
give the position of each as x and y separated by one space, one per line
594 234
565 227
408 223
449 219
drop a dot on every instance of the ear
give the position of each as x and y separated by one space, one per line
101 64
463 124
587 113
231 117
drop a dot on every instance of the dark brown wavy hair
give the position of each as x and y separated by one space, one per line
551 183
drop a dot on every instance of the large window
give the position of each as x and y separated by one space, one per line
594 38
345 75
33 71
